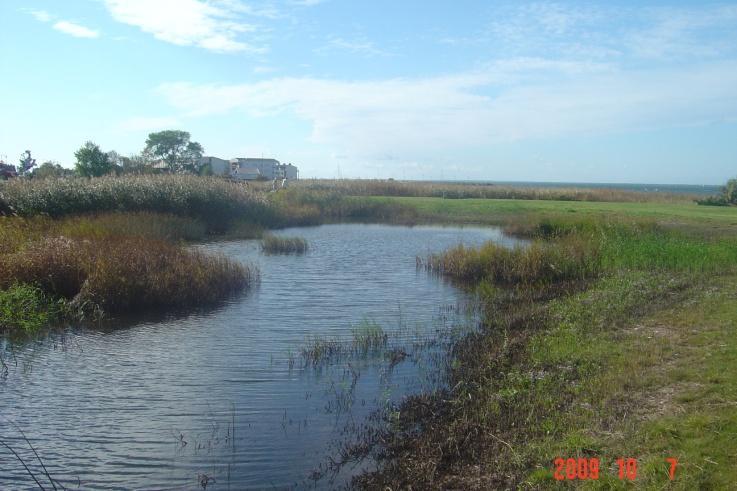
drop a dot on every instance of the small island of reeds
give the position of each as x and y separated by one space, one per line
273 244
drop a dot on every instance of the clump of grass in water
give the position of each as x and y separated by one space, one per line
26 308
272 244
319 349
369 336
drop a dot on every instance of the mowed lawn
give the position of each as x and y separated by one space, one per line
501 210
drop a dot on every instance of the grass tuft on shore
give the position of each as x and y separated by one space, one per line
534 264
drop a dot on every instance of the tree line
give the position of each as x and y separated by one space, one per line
165 151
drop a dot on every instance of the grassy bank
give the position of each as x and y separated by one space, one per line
114 245
585 350
505 212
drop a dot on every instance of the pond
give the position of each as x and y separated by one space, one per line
222 398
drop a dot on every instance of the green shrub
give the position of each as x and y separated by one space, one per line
26 308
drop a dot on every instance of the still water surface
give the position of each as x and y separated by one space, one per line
211 397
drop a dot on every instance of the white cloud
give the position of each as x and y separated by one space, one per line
212 25
75 30
507 101
148 123
40 15
307 3
360 46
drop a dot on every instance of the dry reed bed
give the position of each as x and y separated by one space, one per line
376 187
537 263
273 244
215 200
123 274
16 232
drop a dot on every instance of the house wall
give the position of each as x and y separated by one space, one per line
267 167
220 167
291 171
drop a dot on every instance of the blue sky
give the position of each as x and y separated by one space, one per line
576 91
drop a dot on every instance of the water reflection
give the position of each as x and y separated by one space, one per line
220 398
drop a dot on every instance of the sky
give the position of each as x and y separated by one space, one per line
642 92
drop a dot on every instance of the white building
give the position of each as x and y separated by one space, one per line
219 167
266 169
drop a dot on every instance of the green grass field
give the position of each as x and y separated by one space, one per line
499 211
639 362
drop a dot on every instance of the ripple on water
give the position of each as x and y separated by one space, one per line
157 404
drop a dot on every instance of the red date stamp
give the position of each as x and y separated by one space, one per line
588 468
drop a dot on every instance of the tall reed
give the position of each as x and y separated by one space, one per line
214 200
273 244
448 190
537 263
120 274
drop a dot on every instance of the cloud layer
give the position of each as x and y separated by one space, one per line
215 26
508 101
75 30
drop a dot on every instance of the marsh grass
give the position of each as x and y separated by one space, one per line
17 232
550 372
119 274
532 264
368 338
26 309
376 187
213 200
274 244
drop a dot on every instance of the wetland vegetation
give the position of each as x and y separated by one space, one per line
611 334
274 244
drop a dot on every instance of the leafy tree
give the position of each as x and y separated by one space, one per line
206 170
7 171
726 198
26 163
136 164
116 161
175 148
91 161
730 191
50 170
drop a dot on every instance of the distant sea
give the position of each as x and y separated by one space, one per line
705 189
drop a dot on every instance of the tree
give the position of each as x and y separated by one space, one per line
140 163
26 163
50 170
7 171
729 191
175 148
116 161
91 161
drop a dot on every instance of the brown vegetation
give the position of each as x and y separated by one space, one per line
119 274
